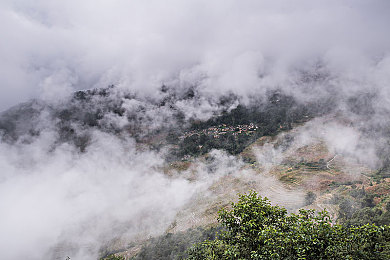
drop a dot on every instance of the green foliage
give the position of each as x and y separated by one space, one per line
360 209
257 230
271 117
351 214
113 257
368 215
388 206
201 144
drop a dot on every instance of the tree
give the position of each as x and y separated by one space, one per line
310 198
257 230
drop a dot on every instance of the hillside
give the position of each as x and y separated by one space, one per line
284 163
299 155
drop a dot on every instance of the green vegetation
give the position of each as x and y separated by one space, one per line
359 209
174 246
277 110
368 215
257 230
384 171
201 144
234 130
310 198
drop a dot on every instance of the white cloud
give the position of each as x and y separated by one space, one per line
238 45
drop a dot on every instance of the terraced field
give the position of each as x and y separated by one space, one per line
283 168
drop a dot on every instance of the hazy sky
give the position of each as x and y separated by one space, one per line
50 48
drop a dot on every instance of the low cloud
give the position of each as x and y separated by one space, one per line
224 46
83 199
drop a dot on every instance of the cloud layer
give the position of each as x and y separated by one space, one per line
64 202
51 48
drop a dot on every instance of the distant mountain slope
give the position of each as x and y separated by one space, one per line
123 114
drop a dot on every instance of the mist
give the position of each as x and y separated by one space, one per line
57 200
74 203
52 49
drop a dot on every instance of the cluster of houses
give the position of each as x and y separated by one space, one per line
216 131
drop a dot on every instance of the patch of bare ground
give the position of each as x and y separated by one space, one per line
174 167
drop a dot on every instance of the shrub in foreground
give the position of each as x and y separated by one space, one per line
257 230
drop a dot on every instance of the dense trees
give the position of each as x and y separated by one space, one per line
257 230
357 208
351 214
201 144
278 113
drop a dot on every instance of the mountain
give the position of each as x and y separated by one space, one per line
299 154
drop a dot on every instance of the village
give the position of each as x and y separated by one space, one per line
223 129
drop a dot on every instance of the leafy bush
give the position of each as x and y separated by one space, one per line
257 230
